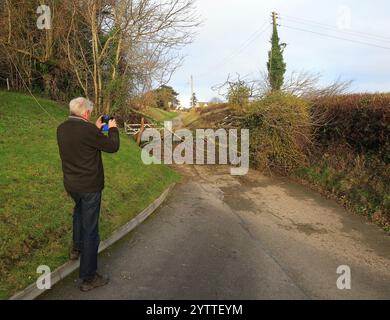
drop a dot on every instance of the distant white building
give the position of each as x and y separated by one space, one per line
202 104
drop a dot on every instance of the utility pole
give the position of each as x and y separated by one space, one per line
274 18
274 24
192 91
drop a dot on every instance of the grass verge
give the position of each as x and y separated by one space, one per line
35 211
360 182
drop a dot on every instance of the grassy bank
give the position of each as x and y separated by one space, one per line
207 117
35 211
360 182
190 117
160 115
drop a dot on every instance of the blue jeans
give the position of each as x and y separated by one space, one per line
86 231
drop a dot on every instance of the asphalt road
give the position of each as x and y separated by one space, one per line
252 237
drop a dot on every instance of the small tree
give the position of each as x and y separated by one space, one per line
239 94
194 100
275 65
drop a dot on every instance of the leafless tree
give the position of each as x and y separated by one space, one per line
230 83
137 39
303 84
104 47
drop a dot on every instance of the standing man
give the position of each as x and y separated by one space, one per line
80 144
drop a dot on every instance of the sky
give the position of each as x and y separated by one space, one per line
234 39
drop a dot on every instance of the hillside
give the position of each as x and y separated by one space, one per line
160 115
35 211
209 117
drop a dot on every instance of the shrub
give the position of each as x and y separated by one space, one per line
279 132
239 94
360 120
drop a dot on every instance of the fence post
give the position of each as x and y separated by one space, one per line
141 131
8 85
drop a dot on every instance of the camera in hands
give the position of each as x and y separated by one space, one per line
105 120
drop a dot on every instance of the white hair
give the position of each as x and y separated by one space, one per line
79 106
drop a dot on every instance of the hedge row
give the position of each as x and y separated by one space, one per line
360 120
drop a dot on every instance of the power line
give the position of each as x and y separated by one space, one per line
386 38
344 32
333 28
247 43
250 43
336 37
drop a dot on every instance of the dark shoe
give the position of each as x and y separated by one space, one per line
74 254
98 281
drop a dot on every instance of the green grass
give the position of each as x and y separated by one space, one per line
160 115
361 183
35 211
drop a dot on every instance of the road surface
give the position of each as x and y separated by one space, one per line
251 237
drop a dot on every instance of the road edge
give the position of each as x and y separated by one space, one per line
31 292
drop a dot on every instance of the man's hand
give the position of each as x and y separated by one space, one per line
99 123
112 124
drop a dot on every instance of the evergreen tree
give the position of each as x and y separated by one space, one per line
165 97
276 65
194 100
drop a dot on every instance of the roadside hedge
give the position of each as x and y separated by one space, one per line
340 145
360 120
